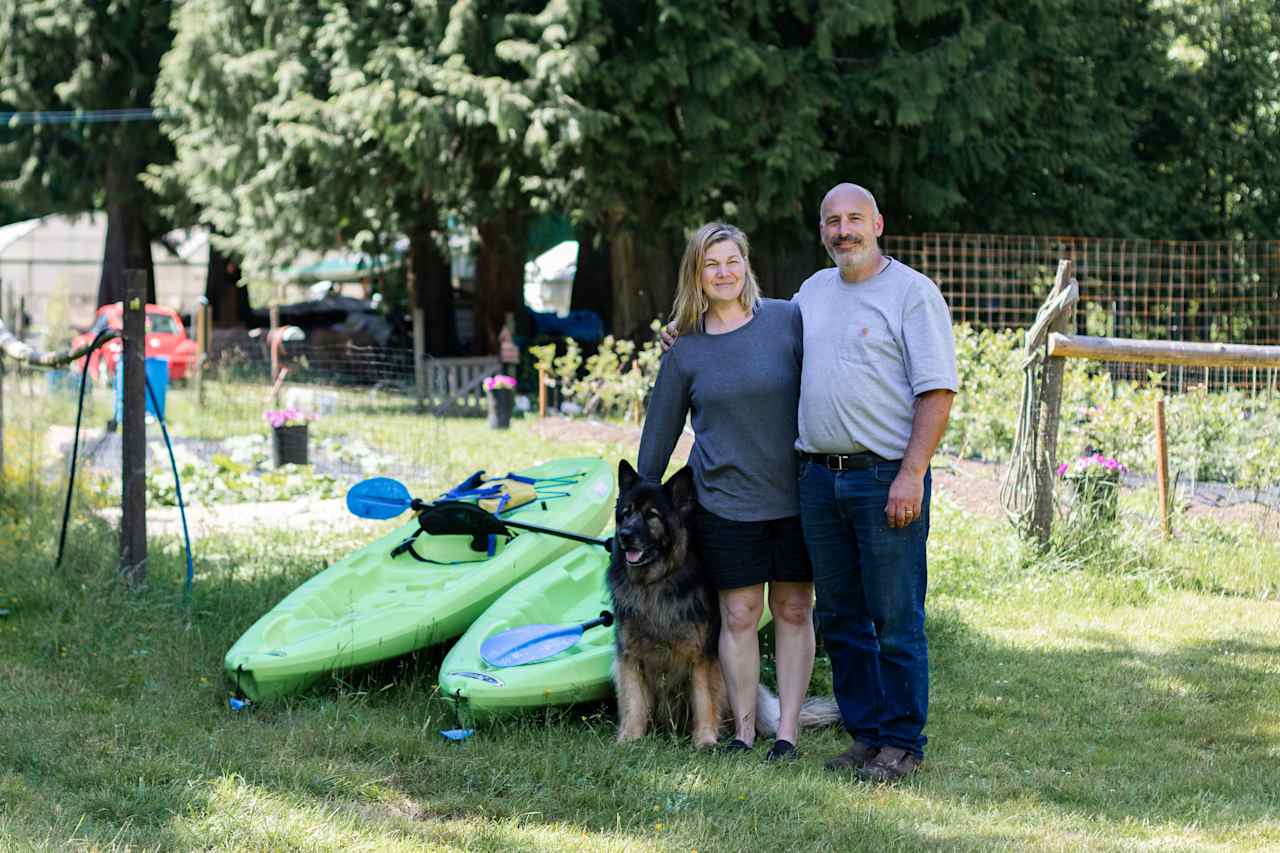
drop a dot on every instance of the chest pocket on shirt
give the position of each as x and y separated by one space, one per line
867 340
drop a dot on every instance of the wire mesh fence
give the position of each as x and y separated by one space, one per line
1203 291
361 413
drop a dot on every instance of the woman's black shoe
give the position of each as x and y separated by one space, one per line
734 745
782 750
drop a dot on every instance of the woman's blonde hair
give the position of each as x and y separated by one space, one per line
690 302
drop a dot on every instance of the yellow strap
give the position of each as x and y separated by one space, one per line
519 495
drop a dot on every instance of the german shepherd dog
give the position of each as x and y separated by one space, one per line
668 619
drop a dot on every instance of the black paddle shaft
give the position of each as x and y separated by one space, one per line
564 534
605 618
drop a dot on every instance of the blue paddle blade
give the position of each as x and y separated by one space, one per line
528 644
378 498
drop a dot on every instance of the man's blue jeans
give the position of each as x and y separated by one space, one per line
870 581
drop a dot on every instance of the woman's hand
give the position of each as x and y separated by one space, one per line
667 336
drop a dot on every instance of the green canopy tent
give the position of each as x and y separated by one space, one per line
340 268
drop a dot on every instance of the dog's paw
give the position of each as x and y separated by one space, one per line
704 740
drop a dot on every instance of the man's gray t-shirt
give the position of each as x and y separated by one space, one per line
870 349
742 388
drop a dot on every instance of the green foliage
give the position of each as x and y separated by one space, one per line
615 381
1224 436
241 472
307 123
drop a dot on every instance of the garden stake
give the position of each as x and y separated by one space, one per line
1162 468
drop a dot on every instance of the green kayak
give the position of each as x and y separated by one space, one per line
371 606
569 591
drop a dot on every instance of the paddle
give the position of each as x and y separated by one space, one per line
381 498
533 643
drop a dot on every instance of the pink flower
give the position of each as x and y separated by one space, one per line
278 418
500 380
1062 469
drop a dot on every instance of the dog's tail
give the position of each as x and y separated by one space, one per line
816 711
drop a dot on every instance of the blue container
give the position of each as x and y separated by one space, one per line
157 377
61 380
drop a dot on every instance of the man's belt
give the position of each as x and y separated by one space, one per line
844 461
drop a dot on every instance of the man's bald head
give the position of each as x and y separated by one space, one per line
850 225
847 189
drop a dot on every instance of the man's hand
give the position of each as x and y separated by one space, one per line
667 336
906 495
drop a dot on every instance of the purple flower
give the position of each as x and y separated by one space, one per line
1062 469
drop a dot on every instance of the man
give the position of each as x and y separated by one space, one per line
877 384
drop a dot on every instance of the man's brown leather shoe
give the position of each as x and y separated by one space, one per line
852 758
889 765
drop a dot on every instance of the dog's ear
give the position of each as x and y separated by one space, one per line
679 489
627 475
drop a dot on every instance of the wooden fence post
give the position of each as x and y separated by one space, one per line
273 344
201 323
1162 468
419 356
133 503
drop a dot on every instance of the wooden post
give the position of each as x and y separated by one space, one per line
273 343
542 393
1046 427
1162 467
133 503
201 323
419 356
1063 345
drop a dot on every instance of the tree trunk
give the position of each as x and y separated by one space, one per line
499 278
644 282
593 280
430 287
128 244
228 301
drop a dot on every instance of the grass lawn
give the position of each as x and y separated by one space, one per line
1121 693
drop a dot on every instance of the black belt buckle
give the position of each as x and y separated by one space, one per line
844 461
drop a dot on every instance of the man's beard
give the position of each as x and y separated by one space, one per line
853 253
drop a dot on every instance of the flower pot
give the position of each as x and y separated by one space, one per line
289 444
501 402
1096 496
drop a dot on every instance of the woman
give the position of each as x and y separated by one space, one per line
736 368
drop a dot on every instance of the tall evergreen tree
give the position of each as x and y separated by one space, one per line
309 124
83 55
